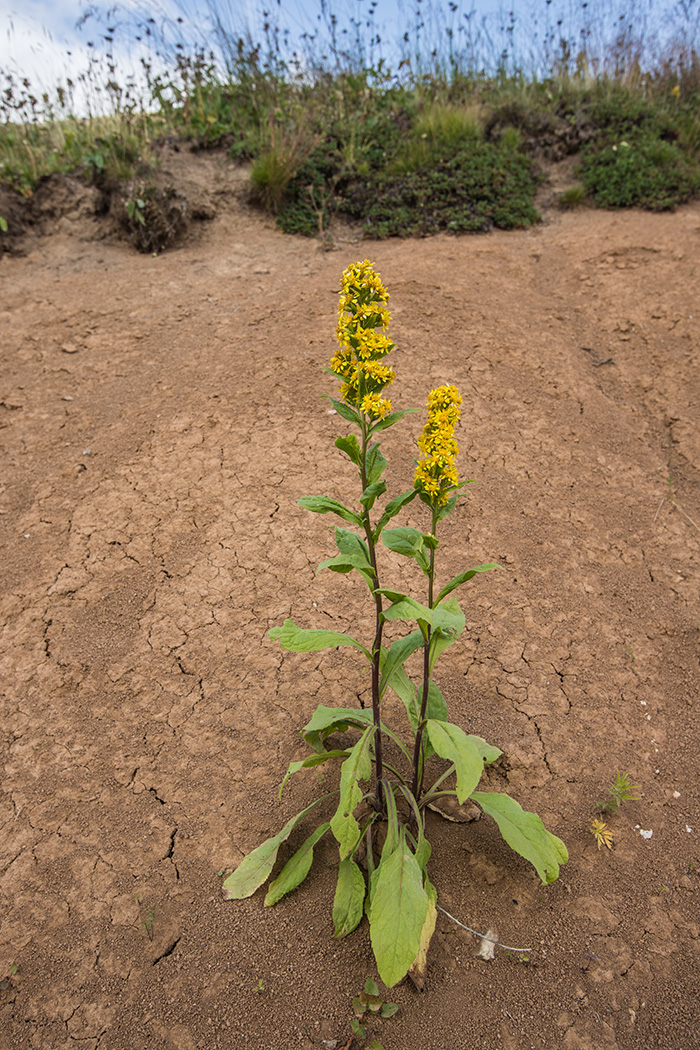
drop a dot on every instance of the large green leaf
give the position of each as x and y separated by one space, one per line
326 505
351 447
462 577
327 720
354 554
376 464
453 744
316 759
356 768
397 915
346 411
394 658
408 542
448 617
525 833
388 421
444 635
371 493
256 867
296 869
392 509
300 640
348 904
437 705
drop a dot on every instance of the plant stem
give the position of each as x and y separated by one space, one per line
418 756
379 627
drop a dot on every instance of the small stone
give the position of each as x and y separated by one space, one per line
69 348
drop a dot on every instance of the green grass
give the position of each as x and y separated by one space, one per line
442 144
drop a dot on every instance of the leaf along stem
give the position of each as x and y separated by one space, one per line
418 751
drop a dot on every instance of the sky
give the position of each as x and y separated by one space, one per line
41 39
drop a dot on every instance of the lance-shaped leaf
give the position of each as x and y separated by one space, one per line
296 869
392 509
300 640
419 967
448 617
368 497
488 752
453 744
346 411
395 657
444 635
351 447
462 577
409 542
397 915
326 505
406 690
388 421
525 833
376 464
311 760
354 554
256 867
437 705
348 905
356 768
327 720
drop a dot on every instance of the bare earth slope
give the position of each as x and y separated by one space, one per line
159 417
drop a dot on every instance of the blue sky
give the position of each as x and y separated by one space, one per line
36 35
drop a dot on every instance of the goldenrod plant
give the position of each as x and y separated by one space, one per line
379 816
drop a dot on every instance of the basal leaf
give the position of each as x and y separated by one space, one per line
525 833
419 966
397 915
327 720
301 640
307 763
348 905
326 505
256 867
356 768
462 577
453 744
296 869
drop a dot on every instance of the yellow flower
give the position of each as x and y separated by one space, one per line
436 475
362 320
676 92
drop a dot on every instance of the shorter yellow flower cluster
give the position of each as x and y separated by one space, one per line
436 475
363 316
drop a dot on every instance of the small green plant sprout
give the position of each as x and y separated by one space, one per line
601 833
621 790
6 982
3 224
149 918
135 209
380 805
369 1003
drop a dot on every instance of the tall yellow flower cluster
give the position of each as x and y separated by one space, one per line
362 322
436 475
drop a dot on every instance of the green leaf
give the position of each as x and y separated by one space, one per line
346 411
300 640
348 905
311 760
296 869
326 505
448 617
354 554
395 657
397 915
453 744
488 752
256 867
388 421
462 577
525 833
351 447
443 636
376 464
388 1009
437 705
392 509
3 224
327 720
356 768
368 497
408 542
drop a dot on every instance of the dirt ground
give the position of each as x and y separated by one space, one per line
159 418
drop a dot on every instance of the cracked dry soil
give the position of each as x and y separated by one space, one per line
160 416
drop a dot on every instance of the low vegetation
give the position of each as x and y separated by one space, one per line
449 140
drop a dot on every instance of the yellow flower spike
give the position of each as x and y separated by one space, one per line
362 320
436 475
